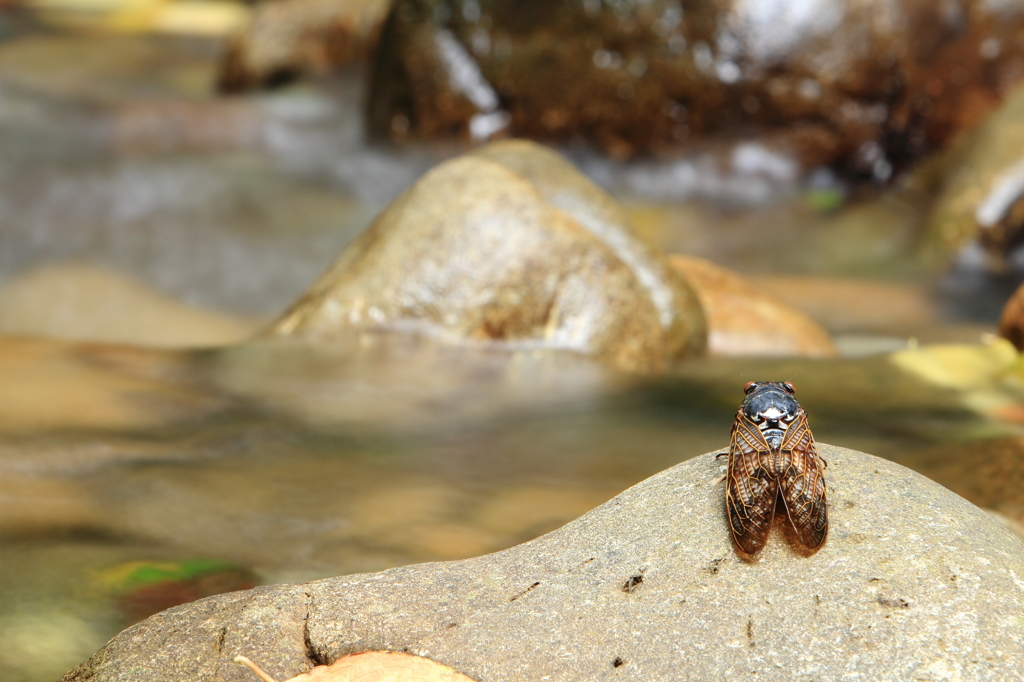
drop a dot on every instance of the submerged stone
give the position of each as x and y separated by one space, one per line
913 582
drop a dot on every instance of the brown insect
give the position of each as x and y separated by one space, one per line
773 462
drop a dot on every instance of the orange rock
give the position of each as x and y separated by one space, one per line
1011 323
742 320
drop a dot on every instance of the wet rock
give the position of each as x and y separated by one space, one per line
285 39
513 248
84 302
648 586
980 188
746 320
870 83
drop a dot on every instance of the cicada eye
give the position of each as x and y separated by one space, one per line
789 387
751 385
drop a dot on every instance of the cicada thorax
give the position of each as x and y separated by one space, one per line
773 466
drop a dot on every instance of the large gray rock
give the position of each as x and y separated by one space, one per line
913 583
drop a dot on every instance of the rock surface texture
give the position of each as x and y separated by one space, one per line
512 247
913 583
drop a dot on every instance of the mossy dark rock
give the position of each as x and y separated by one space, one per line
869 83
914 582
512 247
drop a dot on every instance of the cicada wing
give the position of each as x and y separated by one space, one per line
803 486
751 491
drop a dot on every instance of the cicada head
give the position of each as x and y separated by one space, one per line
771 406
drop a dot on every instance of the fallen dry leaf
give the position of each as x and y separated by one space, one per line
372 666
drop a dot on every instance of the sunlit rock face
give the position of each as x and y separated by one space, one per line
869 83
913 582
511 248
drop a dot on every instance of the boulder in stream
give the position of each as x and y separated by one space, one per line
508 247
914 582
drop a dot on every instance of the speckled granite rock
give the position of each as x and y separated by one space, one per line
913 583
513 248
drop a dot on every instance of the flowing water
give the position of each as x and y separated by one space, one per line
134 478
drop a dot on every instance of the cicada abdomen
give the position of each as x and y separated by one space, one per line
774 463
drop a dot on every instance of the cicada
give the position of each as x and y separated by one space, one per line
774 467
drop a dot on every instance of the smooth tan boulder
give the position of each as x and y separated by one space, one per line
477 252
